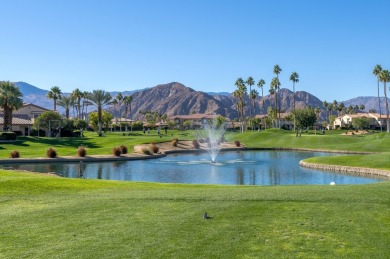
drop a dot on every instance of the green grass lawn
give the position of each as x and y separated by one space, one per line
51 217
47 217
33 147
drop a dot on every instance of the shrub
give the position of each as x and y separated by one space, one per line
237 142
174 142
153 147
8 136
196 144
81 151
51 153
116 151
146 151
123 149
14 154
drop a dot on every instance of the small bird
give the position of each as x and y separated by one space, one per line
205 216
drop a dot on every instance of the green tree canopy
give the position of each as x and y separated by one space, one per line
360 123
49 120
105 121
10 99
55 94
305 117
100 98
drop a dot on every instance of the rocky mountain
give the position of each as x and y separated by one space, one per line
370 103
35 95
177 99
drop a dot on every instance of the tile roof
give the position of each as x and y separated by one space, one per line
17 119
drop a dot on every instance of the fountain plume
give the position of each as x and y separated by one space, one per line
213 134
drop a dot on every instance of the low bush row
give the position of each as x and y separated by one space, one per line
81 152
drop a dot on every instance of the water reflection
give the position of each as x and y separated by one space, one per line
240 168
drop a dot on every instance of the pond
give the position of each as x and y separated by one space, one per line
234 168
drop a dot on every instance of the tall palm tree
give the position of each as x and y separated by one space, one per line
10 100
341 109
250 82
100 98
84 109
330 109
326 104
127 102
377 70
118 101
77 95
384 77
335 106
295 79
240 93
66 102
277 71
253 95
55 94
272 92
260 84
275 85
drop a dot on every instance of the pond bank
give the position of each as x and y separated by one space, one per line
347 169
187 147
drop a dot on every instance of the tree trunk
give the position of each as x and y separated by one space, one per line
294 103
8 119
379 104
387 107
100 121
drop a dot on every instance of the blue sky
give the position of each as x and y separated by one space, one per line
206 45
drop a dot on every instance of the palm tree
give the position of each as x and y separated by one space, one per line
377 70
127 102
240 93
54 93
318 113
77 95
10 99
362 107
384 77
326 104
335 106
85 103
330 109
277 71
295 79
341 108
118 101
260 84
275 85
100 98
250 82
253 95
66 102
350 109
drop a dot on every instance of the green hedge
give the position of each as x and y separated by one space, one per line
8 136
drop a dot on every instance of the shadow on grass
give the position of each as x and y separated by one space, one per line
69 142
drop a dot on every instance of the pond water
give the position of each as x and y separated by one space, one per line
235 168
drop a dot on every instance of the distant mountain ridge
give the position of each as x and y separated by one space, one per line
176 99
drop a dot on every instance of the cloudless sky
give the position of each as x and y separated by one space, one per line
204 44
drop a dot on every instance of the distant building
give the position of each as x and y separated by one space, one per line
196 121
23 119
375 120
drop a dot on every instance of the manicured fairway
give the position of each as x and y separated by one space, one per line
47 217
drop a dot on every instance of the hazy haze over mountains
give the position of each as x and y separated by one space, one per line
177 99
